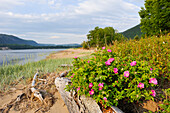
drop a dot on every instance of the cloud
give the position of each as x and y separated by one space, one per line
61 21
54 37
7 4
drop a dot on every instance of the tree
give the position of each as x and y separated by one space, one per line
155 17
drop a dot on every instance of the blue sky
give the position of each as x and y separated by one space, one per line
65 21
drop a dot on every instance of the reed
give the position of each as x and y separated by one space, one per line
10 73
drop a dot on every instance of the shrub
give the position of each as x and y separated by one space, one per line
109 78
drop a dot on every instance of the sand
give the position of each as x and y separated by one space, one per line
58 106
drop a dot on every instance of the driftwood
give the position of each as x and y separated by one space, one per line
78 104
34 96
35 92
66 65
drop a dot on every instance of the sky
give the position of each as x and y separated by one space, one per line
65 21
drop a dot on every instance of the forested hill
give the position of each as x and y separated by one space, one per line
10 39
132 32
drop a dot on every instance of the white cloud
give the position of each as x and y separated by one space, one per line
7 4
54 37
55 20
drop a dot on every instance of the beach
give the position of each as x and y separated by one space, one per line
59 105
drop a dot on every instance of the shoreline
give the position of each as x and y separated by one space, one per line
70 53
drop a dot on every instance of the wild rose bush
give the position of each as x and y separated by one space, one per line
109 79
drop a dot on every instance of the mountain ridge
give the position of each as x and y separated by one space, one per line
10 39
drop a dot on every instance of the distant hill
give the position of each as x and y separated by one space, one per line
13 42
10 39
132 32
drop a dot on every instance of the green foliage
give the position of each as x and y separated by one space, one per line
132 32
152 49
165 106
155 17
85 45
109 82
102 37
136 37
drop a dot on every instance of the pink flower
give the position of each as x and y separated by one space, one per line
104 98
115 70
133 63
100 86
126 74
88 61
90 85
91 92
111 60
103 47
151 69
78 88
71 76
75 57
107 63
141 85
153 80
153 93
109 50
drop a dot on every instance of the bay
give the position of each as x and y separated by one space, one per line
23 56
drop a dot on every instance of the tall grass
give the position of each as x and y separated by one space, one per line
10 73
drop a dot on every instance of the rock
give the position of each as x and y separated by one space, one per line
78 104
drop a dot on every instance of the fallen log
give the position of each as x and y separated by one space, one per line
66 65
78 104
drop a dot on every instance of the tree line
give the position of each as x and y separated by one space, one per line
155 17
20 46
102 37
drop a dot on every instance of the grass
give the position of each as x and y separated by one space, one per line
10 73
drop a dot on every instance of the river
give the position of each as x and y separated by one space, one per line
24 56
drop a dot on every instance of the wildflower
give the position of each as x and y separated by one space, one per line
78 88
153 93
141 85
115 70
88 61
103 47
107 63
104 98
109 50
151 69
111 60
75 57
100 86
91 92
90 85
133 63
153 80
71 76
126 74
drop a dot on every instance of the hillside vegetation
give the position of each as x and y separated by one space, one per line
132 32
10 39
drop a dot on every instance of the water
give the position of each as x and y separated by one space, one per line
24 56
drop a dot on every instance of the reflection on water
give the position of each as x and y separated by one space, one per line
24 56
